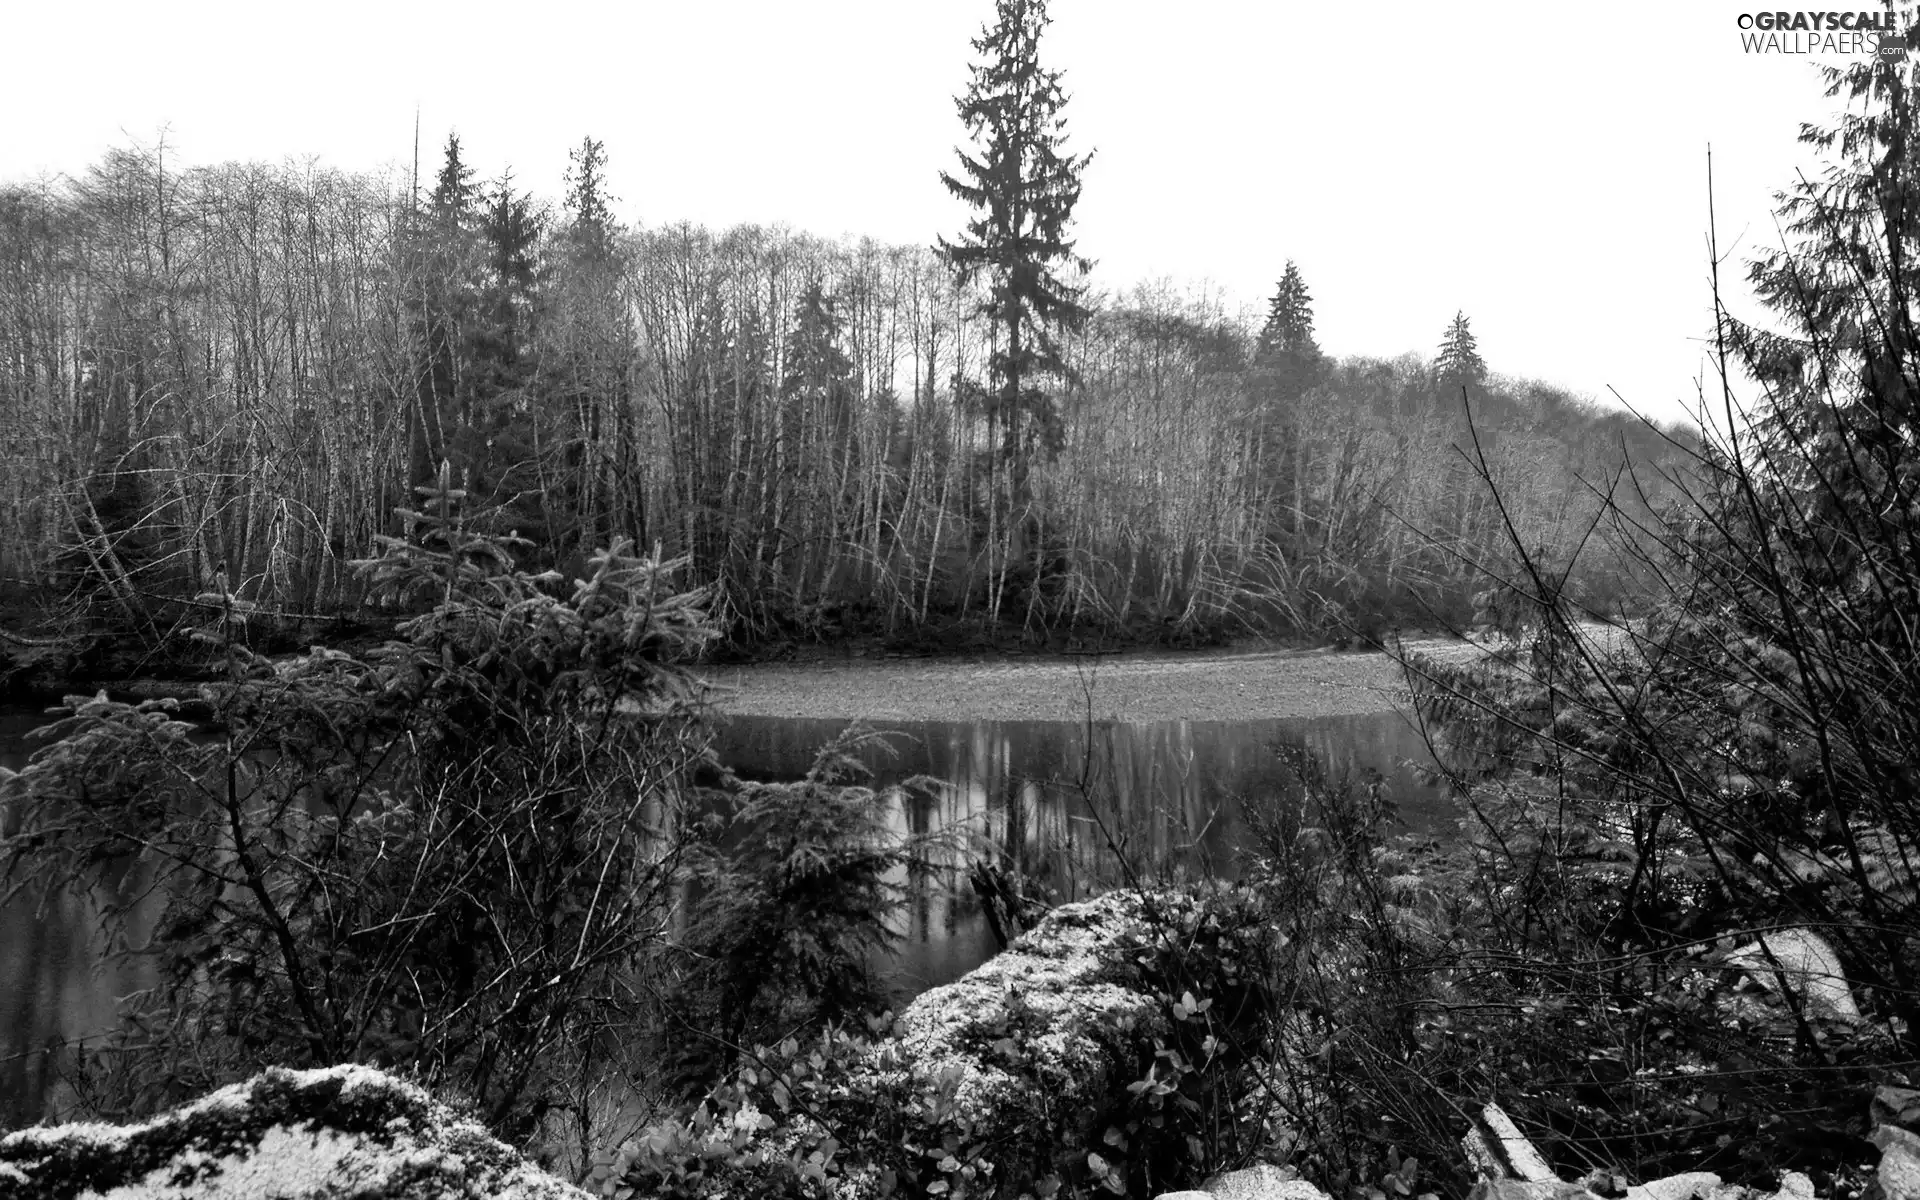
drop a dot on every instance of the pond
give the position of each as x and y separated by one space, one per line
1056 800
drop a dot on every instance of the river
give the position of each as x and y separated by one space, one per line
1051 797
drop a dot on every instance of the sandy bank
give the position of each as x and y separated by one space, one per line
1261 685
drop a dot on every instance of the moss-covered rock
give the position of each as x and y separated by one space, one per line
1003 1083
1040 1041
345 1133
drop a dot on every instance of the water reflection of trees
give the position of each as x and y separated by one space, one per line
60 992
1076 809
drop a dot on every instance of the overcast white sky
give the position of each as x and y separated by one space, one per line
1540 166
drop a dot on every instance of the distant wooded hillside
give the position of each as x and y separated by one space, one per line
228 378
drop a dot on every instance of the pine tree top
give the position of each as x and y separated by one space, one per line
592 232
454 192
1459 360
1023 186
1289 327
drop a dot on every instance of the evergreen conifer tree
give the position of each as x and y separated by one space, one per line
1289 327
591 234
818 381
1286 356
443 296
1459 363
1024 188
454 193
511 233
497 445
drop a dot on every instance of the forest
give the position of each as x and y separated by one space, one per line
229 378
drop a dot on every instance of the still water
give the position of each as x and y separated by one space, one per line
53 984
1062 802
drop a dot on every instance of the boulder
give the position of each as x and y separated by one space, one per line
1794 1186
1528 1189
342 1132
1689 1185
1705 1185
1896 1106
1801 960
1042 1036
1899 1170
1006 1079
1022 1061
1261 1182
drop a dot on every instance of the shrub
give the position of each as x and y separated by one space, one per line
448 855
1650 798
792 916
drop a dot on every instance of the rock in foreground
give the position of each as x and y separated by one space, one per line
1042 1039
343 1132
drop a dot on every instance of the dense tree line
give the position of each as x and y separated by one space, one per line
228 378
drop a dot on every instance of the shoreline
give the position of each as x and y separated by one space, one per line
1207 686
1241 683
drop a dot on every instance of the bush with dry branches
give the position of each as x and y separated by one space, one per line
453 855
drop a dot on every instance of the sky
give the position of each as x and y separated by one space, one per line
1542 168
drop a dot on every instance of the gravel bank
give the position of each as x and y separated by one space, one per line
1261 685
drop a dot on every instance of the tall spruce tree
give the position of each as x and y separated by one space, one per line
1286 354
1287 363
444 298
1838 359
455 194
592 232
1024 186
511 232
1850 240
1289 327
1459 363
497 445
